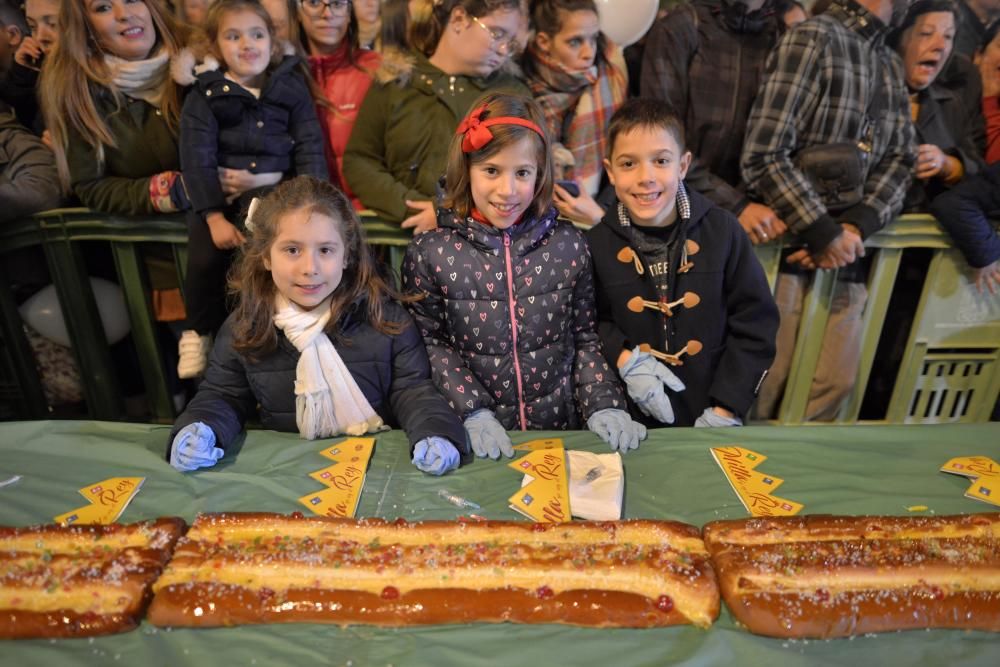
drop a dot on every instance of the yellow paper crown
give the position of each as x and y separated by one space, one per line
753 488
546 498
345 478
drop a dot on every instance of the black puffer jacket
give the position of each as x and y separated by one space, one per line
224 125
736 320
391 371
488 292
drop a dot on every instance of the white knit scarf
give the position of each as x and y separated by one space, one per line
140 79
328 401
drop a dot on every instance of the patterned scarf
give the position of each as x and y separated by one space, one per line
578 106
328 401
141 79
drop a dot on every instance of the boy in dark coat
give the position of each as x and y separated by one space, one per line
684 309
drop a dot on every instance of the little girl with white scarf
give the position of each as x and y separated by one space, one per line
316 340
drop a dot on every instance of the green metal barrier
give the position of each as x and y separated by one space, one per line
951 368
59 233
950 371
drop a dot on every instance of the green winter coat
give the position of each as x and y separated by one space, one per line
146 146
399 145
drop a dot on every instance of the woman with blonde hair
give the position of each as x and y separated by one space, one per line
112 108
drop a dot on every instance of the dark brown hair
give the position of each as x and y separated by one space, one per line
458 190
546 17
395 25
254 333
915 11
645 113
430 17
351 36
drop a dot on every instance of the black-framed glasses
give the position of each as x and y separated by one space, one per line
315 8
499 40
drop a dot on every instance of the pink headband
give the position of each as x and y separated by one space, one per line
477 133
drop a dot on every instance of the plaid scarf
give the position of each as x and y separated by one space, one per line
578 106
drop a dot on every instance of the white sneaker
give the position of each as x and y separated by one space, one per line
193 352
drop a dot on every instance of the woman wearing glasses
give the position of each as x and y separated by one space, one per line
398 149
328 30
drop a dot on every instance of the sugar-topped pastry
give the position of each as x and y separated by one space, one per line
80 581
270 568
837 576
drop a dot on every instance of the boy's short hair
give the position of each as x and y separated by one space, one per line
645 113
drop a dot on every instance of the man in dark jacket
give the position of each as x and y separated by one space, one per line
832 85
706 59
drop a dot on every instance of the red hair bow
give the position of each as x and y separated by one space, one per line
477 131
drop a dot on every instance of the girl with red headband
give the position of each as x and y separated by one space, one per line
507 309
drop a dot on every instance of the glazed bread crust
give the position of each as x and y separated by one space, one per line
265 568
80 581
833 576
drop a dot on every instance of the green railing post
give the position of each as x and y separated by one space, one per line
808 344
880 284
20 360
83 321
151 362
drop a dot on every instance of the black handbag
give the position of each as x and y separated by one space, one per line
836 172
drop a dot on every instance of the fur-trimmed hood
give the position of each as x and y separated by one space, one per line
398 65
191 61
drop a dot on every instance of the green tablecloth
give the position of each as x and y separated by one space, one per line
842 470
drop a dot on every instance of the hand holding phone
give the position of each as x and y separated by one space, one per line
575 205
570 186
29 53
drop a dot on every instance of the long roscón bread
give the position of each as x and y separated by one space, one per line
268 568
837 576
80 581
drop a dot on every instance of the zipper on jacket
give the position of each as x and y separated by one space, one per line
513 331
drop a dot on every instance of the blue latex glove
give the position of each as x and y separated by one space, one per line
194 447
616 428
435 456
487 436
709 418
644 377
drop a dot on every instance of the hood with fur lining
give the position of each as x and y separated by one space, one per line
190 62
398 65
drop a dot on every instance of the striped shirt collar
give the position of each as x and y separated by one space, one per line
683 203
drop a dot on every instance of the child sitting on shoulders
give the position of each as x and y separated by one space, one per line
316 341
682 300
248 122
507 311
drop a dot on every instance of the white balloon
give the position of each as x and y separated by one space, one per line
626 21
43 313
